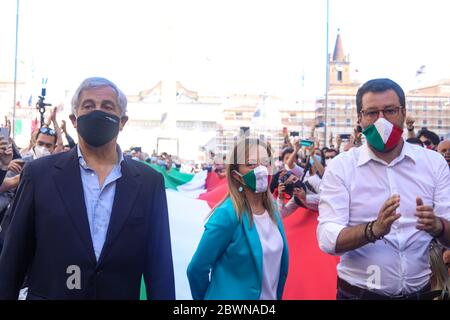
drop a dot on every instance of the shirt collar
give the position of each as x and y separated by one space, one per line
366 154
85 165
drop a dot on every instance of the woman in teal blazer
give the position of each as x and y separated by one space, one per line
238 257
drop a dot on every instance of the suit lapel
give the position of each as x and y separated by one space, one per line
127 187
70 188
254 242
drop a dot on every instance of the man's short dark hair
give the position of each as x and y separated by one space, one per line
330 150
379 85
430 135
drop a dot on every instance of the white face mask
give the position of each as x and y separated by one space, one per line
41 151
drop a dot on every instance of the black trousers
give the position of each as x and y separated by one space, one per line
346 291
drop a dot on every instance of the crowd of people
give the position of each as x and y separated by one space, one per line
87 221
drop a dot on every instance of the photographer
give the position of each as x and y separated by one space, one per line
290 159
287 159
302 195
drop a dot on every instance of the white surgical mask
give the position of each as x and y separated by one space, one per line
41 151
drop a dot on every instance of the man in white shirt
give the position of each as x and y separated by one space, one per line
381 204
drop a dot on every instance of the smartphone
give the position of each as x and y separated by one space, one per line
4 133
344 136
359 128
294 133
306 143
20 162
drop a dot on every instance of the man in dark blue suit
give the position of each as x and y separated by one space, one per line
89 223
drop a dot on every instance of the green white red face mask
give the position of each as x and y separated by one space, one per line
383 135
257 179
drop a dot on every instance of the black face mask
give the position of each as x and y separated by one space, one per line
98 128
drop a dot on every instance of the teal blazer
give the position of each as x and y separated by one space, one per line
231 251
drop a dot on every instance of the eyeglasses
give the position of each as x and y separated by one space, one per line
389 112
47 131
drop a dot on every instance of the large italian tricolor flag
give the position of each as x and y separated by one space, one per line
190 198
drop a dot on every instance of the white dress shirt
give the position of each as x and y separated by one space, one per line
353 190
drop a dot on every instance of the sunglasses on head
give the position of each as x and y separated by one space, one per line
47 131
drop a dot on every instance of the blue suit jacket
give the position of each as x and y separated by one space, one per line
232 251
49 232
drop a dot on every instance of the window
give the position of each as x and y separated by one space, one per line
333 122
238 115
440 106
333 105
187 125
425 107
207 125
439 124
424 122
410 106
339 76
348 122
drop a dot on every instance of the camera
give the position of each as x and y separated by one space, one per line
289 188
285 177
40 105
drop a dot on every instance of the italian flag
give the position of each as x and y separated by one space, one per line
383 135
190 198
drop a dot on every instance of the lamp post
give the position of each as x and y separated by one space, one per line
13 127
327 77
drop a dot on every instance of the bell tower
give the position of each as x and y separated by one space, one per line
339 65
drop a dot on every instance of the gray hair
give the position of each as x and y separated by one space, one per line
96 82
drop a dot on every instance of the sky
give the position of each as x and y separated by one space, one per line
219 47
